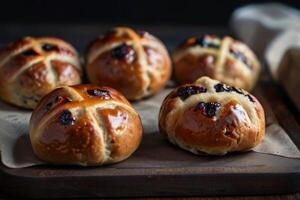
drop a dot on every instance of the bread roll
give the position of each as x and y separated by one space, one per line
209 117
84 125
134 62
223 59
32 67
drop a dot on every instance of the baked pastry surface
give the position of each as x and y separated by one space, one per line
209 117
32 67
134 62
223 59
84 125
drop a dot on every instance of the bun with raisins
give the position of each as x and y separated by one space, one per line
226 60
134 62
84 125
209 117
32 67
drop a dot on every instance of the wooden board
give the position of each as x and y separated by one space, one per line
160 169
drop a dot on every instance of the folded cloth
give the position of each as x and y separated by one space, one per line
273 31
258 24
283 58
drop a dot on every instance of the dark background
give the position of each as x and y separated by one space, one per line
189 12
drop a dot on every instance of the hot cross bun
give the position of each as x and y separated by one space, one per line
224 59
134 62
209 117
32 67
84 125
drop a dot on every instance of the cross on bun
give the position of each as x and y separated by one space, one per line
209 117
134 62
84 125
223 59
32 67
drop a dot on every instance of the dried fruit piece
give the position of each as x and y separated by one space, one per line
29 52
250 98
66 118
57 100
99 93
186 91
222 88
237 90
141 33
60 99
49 47
225 88
208 109
122 51
240 56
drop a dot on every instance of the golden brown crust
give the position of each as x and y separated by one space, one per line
212 118
32 67
135 63
84 125
226 60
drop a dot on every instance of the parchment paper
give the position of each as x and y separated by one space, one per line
16 151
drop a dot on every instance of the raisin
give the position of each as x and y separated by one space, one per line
208 109
49 47
66 118
99 93
29 52
57 100
250 98
141 33
121 51
225 88
60 99
49 106
239 91
222 88
203 42
186 91
240 56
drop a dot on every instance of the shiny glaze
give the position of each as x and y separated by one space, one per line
234 63
60 134
129 73
122 128
191 67
78 143
224 127
195 128
32 81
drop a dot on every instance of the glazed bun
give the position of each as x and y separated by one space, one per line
84 125
134 62
32 67
209 117
223 59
